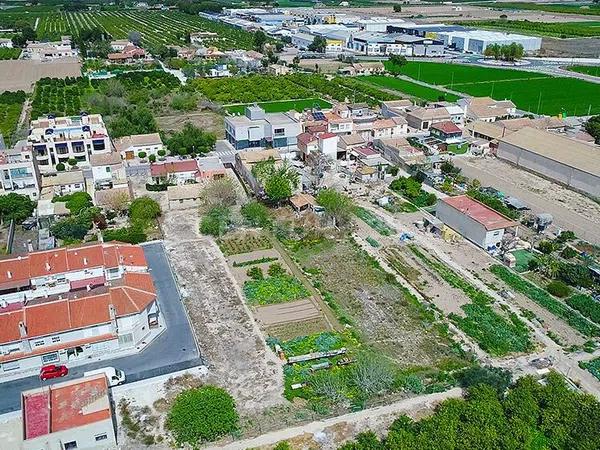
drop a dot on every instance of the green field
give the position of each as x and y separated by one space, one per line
9 53
282 106
588 70
412 89
11 104
530 91
577 8
156 27
555 29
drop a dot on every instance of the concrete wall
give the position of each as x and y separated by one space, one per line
553 170
88 436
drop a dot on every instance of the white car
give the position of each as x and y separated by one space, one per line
114 376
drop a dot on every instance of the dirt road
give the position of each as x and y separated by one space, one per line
330 433
542 202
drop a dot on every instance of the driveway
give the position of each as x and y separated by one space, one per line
175 349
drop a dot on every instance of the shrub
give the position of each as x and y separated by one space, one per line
143 210
533 264
566 236
152 158
75 202
255 273
276 270
568 252
132 235
202 415
256 214
216 221
142 155
60 167
496 377
546 247
72 162
575 275
162 153
558 288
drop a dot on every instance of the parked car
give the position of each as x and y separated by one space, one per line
53 371
29 223
114 376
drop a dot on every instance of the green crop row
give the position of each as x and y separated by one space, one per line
373 221
542 298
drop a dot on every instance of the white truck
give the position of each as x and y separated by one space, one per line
114 376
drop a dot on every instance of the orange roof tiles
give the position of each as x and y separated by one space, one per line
47 318
486 216
88 311
9 325
15 270
48 262
85 257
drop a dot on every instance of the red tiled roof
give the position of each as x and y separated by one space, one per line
48 262
36 417
14 271
327 135
161 170
85 257
306 138
446 127
48 318
489 218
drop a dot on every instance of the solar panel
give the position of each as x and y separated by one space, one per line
318 115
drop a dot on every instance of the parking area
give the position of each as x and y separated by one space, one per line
175 349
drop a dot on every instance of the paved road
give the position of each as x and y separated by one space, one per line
563 217
175 349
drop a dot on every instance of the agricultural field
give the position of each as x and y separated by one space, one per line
530 91
554 29
589 9
588 70
282 106
11 104
408 88
373 221
156 28
9 53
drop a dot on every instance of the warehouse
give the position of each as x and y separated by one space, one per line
473 220
476 41
573 163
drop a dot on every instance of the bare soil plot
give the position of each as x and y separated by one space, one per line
205 119
583 48
228 337
22 74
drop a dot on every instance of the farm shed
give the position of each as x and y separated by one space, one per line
473 220
573 163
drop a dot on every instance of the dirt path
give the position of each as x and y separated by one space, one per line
330 433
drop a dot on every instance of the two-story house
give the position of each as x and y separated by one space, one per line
19 171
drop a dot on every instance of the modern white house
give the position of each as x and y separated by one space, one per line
75 414
130 146
108 171
74 303
475 221
257 129
19 172
56 140
44 51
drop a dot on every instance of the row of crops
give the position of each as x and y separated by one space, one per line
556 29
11 104
156 27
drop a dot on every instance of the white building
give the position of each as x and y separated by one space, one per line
19 171
119 45
486 109
108 171
258 129
6 43
476 41
75 414
475 221
43 51
129 147
56 140
63 183
379 24
74 303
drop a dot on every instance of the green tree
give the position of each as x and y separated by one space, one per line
15 207
495 377
318 44
397 8
70 228
202 415
132 120
592 126
143 210
260 39
398 60
337 206
215 221
278 188
256 214
191 140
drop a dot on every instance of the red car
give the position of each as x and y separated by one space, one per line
53 371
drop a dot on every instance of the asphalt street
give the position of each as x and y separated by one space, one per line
175 349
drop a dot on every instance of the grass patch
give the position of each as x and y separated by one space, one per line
373 221
271 290
588 70
523 257
555 29
282 106
409 88
491 331
543 298
530 91
586 305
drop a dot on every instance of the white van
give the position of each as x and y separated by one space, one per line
114 376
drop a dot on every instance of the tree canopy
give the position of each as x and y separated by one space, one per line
15 207
592 126
191 140
337 206
143 210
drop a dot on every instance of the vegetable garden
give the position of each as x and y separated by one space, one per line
11 104
530 91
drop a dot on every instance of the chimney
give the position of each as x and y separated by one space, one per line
22 330
9 274
112 312
85 261
48 266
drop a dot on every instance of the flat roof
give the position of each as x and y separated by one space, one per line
65 405
486 216
573 153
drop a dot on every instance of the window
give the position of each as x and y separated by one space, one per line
49 358
70 445
101 437
279 131
38 343
13 365
55 339
108 169
126 339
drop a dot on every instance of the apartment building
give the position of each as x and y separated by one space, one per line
259 129
67 304
75 414
56 140
19 171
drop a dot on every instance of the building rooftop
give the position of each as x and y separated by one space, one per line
486 216
446 127
64 406
137 140
105 159
63 178
577 154
163 169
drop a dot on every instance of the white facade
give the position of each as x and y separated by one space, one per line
56 140
19 173
45 51
328 145
476 41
